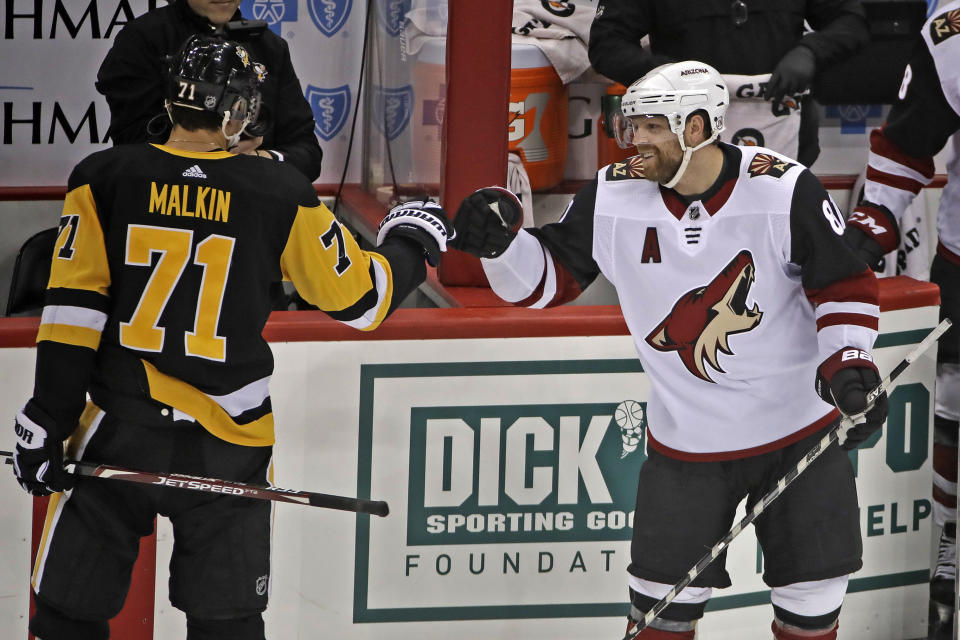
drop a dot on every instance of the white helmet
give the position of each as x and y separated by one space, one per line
675 91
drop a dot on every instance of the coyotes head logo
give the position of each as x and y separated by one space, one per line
703 319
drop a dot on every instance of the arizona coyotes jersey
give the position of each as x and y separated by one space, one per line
918 126
163 268
733 298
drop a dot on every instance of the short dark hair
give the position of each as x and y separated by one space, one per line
194 119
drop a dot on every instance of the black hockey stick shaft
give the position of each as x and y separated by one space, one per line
224 487
782 484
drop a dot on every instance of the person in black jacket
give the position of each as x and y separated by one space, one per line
735 37
131 78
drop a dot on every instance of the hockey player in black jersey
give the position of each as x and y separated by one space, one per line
754 321
156 301
925 118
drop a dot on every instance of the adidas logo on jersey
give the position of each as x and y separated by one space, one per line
194 172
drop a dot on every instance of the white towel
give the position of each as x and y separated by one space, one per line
561 29
423 24
752 121
519 183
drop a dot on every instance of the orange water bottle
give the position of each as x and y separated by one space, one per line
538 116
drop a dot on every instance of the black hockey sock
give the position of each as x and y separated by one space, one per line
49 624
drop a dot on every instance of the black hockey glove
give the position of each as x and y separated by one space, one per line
487 222
38 458
792 75
425 223
844 380
872 232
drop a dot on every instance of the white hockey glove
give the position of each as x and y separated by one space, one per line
425 223
487 222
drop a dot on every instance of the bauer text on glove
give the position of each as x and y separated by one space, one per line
844 380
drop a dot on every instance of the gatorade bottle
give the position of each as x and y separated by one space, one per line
608 151
539 104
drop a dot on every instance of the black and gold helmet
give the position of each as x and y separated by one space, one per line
211 74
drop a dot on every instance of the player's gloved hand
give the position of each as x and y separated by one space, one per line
872 232
38 458
425 223
487 222
844 380
793 74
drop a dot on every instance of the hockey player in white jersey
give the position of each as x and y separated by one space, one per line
922 121
754 321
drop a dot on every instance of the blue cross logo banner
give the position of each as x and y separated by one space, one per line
330 109
273 12
329 15
392 109
392 15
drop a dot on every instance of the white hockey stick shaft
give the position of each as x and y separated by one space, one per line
831 437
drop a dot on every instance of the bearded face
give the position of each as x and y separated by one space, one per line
658 148
661 162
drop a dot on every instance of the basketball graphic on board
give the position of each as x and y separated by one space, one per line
631 417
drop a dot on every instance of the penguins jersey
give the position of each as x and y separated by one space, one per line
160 280
733 299
918 126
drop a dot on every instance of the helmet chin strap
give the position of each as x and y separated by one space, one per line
233 140
687 154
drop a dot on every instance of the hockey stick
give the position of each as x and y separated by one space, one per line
845 424
224 487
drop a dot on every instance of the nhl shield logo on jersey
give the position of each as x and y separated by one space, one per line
767 164
629 169
945 26
701 322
